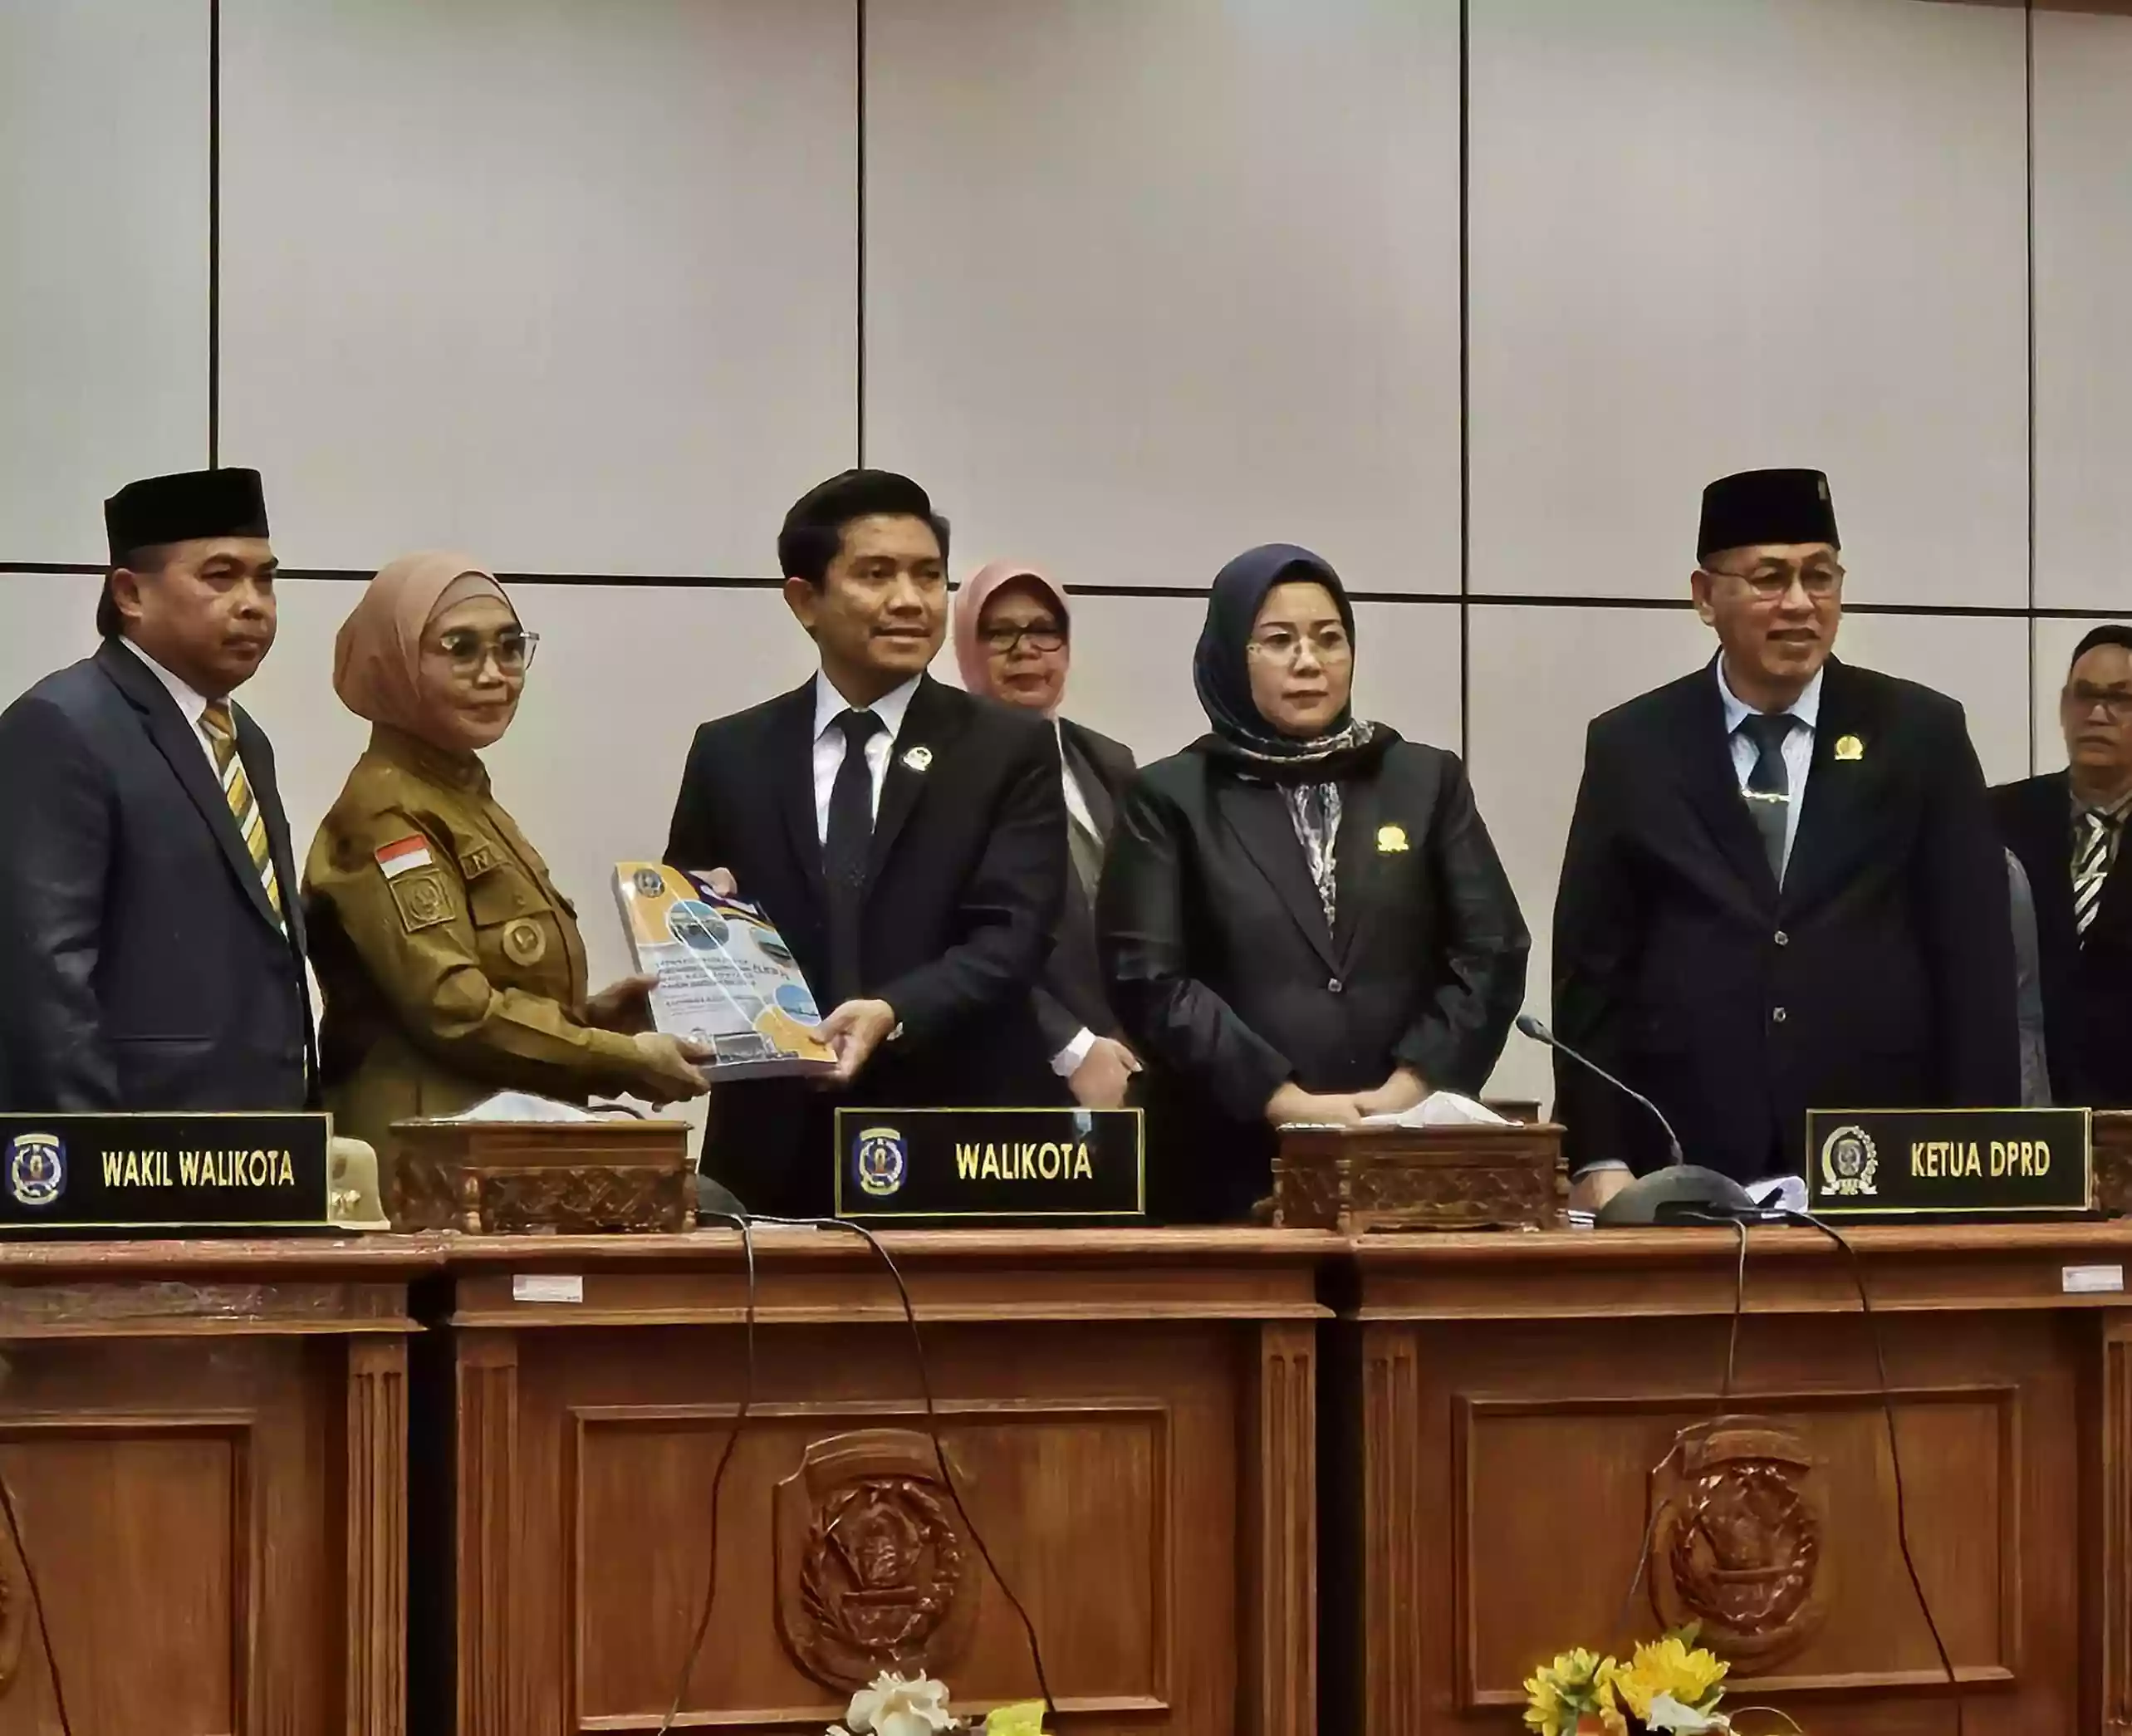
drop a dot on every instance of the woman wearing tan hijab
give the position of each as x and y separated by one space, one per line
451 967
1013 643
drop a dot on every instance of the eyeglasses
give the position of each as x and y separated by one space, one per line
1040 636
1817 581
2117 701
1278 645
467 650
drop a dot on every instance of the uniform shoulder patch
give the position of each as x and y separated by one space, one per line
477 862
403 856
421 899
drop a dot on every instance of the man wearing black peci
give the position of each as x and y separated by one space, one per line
151 944
1782 889
907 839
2067 828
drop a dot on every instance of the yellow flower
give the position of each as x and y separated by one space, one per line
1025 1718
1556 1693
1690 1674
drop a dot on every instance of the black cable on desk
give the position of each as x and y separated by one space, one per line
37 1602
1681 1437
1894 1450
932 1430
717 1482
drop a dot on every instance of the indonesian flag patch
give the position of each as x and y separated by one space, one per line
404 857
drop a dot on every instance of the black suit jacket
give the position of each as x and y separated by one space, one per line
1072 997
2087 988
1229 984
968 868
1882 974
140 964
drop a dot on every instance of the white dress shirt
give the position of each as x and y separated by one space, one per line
1798 745
829 705
192 706
1068 1061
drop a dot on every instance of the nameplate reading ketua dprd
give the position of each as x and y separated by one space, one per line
1947 1163
163 1172
1001 1166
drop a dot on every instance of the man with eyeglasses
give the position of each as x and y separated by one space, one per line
151 942
2066 828
1782 889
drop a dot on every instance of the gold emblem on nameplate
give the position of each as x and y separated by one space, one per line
524 942
1391 839
919 758
1848 747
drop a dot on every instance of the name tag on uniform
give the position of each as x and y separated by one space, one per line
1001 1165
161 1173
1949 1163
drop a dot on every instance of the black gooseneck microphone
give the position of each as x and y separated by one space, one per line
1530 1027
1682 1192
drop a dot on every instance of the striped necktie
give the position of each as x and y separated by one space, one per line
2091 863
221 728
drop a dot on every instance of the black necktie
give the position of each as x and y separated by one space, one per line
844 851
1769 788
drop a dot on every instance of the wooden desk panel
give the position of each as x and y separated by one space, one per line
1515 1395
1131 1418
206 1443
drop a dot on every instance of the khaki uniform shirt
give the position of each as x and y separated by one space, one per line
451 967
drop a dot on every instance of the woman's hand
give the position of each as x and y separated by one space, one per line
1397 1094
1293 1103
671 1072
625 1006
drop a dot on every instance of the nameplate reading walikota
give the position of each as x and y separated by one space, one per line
1947 1163
998 1165
163 1172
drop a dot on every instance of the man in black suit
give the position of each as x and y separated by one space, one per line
2066 828
1782 889
908 839
151 945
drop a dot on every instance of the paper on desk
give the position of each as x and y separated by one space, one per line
523 1106
1440 1109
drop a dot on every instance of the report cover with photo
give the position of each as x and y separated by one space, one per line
726 977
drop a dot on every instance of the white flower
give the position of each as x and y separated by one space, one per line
1668 1713
893 1707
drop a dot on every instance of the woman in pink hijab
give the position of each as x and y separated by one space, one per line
1013 643
451 967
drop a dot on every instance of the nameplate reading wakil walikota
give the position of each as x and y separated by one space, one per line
165 1172
1947 1163
1001 1165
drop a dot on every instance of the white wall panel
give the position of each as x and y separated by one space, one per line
103 260
570 282
1710 235
2083 285
1148 284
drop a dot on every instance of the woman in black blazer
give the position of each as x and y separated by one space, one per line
1301 917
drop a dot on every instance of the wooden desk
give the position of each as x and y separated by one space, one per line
1132 1414
206 1445
1511 1394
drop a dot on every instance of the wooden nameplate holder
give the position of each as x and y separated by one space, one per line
2112 1135
559 1178
1356 1179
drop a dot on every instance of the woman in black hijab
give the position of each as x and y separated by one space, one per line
1301 917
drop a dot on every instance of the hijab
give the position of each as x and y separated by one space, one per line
377 657
1221 672
987 582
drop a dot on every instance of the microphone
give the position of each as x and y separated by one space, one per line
1530 1027
1682 1192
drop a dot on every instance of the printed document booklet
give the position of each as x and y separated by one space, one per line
726 978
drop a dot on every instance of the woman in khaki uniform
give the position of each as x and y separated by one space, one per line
451 967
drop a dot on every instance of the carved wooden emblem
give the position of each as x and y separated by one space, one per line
872 1570
1737 1543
